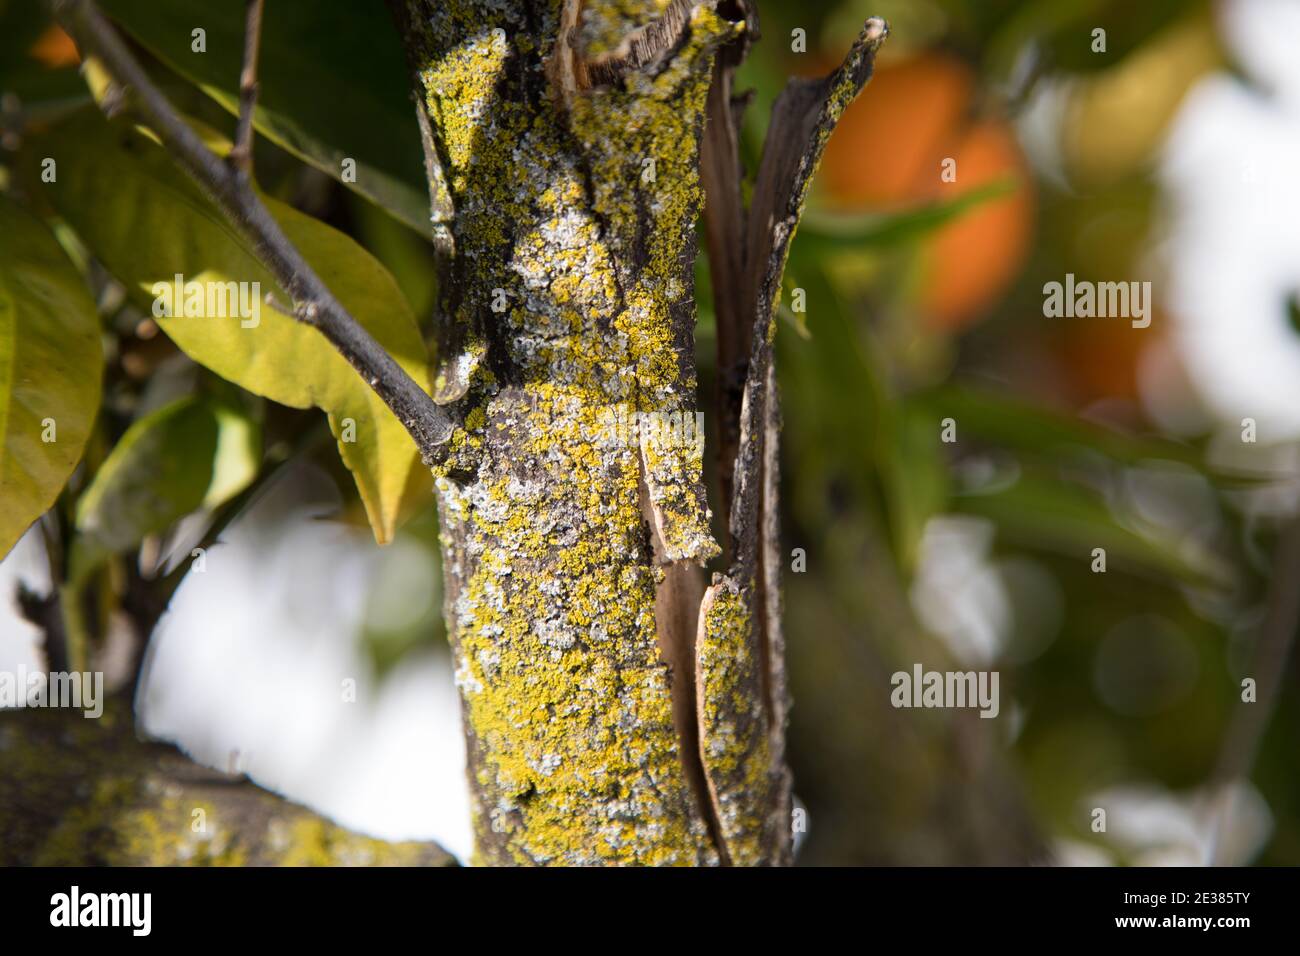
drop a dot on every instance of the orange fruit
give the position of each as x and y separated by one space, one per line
1103 357
54 48
896 128
888 152
973 259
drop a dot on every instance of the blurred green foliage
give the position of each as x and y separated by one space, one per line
1125 678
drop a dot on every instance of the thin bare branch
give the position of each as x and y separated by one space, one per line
241 156
1245 733
314 304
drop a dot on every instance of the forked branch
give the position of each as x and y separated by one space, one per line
231 189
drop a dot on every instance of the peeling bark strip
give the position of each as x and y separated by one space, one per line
572 71
725 218
740 649
567 138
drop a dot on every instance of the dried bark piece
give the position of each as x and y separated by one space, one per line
740 647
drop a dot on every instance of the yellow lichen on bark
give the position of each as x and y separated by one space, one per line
735 729
575 247
572 498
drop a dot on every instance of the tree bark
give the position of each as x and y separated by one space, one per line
615 711
79 792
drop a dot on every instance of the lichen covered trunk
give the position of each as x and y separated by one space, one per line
572 499
617 710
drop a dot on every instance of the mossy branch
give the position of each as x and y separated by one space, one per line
615 713
82 792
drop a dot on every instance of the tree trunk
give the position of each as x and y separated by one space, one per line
616 710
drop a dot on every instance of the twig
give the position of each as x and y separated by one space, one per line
1246 731
429 424
56 637
241 156
43 611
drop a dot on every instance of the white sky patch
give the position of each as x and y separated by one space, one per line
20 641
1229 172
247 671
957 593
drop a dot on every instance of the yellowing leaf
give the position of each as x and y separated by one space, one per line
149 224
51 364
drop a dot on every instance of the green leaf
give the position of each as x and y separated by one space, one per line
51 364
829 230
147 222
403 253
1062 32
193 453
332 85
844 421
914 476
1018 424
842 401
1043 512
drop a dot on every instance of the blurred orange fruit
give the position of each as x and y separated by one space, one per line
972 260
1102 357
896 129
889 151
54 49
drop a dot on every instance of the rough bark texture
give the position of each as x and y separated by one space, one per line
78 792
575 525
581 211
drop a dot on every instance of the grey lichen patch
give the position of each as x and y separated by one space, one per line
579 219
